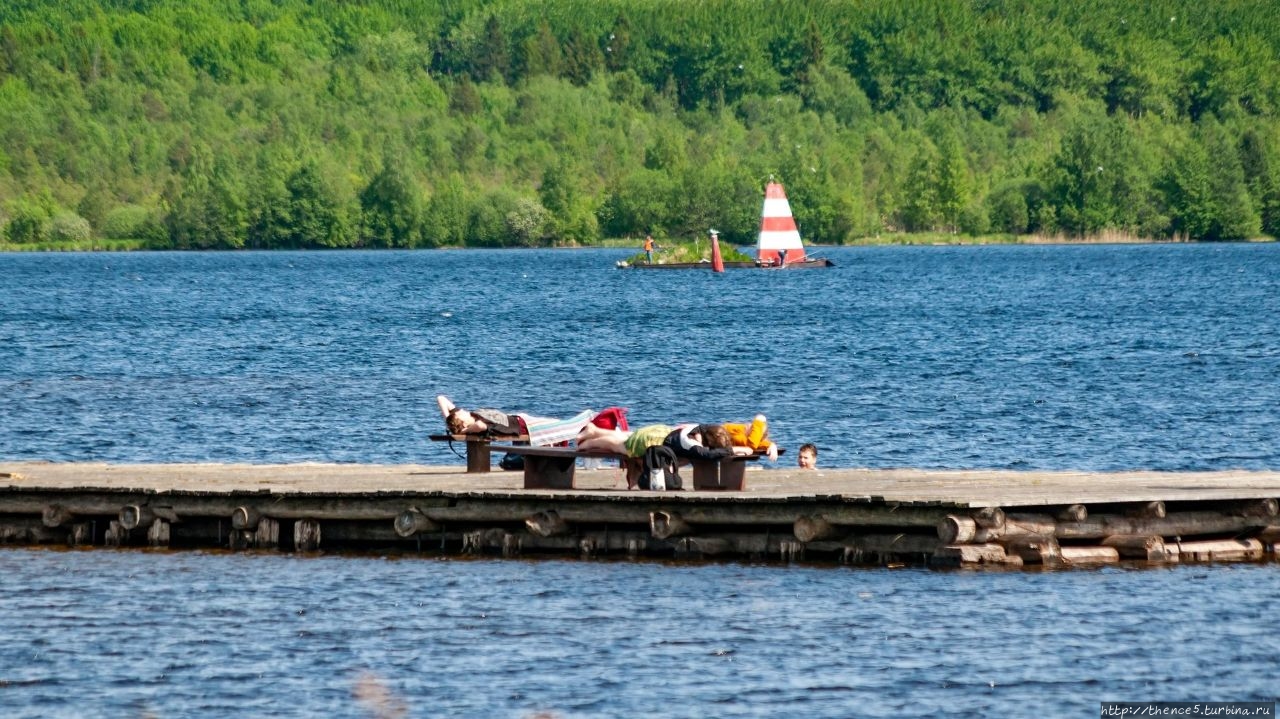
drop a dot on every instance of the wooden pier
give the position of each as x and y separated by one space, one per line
857 516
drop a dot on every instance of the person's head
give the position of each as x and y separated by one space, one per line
808 456
457 420
714 436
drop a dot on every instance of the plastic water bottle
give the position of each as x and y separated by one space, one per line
657 480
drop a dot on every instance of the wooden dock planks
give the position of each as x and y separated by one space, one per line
947 517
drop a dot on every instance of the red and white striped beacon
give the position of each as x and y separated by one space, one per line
779 241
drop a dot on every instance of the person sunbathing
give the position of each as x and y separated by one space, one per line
684 443
754 436
688 441
542 431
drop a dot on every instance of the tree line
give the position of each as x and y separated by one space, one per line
192 124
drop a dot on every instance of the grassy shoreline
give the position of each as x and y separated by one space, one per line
884 240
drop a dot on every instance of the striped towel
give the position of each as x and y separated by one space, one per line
546 431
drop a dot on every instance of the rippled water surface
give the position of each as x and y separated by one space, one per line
195 634
1097 357
1124 357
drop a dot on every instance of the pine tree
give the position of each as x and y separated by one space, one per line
390 208
952 180
1234 215
492 61
1191 192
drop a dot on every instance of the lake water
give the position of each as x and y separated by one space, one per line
1096 357
1090 358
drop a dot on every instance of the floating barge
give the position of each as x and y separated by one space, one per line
853 516
778 246
806 264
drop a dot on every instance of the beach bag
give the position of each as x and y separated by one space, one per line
661 469
511 462
612 418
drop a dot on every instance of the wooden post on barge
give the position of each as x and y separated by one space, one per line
1220 550
1262 508
1072 513
116 535
665 525
56 515
158 533
989 517
1089 555
791 550
1150 547
811 529
1148 510
1034 549
412 522
547 523
306 535
81 534
133 516
703 546
957 555
267 535
511 545
245 518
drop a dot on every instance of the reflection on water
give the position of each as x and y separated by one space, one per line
193 633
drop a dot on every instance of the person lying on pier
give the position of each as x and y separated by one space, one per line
542 431
754 436
620 441
686 441
689 441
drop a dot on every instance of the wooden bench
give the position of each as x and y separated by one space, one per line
479 446
553 467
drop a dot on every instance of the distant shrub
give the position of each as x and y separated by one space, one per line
526 222
28 223
70 227
126 222
974 219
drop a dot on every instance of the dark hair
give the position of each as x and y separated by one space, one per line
715 436
811 447
453 422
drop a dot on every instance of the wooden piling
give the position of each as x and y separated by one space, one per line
1220 550
1147 510
547 523
1034 549
957 555
1089 555
412 522
809 529
1150 547
887 517
245 518
158 533
306 535
133 516
1072 513
666 524
56 515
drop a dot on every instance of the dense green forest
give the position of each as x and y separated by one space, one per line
289 124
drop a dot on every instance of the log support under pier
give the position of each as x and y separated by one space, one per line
306 535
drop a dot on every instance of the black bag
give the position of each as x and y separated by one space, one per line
663 459
511 462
